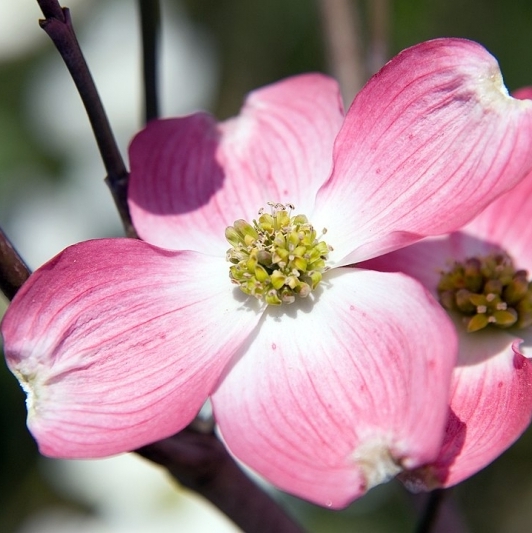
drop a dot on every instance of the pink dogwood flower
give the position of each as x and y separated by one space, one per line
324 378
488 262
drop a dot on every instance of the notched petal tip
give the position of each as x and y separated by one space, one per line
493 92
376 461
27 384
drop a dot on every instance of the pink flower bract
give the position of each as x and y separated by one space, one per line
119 343
491 391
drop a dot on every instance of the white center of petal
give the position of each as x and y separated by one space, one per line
487 291
277 257
376 462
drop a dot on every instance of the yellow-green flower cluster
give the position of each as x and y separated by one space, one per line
277 257
488 290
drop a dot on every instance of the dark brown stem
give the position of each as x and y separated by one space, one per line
58 26
150 19
429 518
13 271
51 9
200 462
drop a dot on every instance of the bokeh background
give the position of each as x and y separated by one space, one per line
52 194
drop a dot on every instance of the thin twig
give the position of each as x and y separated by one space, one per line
58 26
150 21
51 9
13 270
342 35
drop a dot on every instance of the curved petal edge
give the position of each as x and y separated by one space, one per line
118 344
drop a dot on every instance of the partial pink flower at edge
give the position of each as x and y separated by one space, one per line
119 343
491 393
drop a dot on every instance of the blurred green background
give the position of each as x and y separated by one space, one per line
244 44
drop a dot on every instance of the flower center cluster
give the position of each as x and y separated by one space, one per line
488 290
277 257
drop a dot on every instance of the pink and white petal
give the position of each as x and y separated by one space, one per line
334 396
427 144
118 344
491 406
191 178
